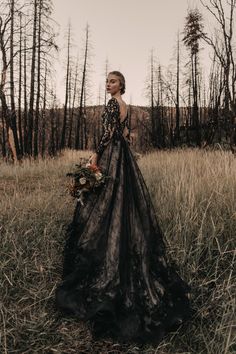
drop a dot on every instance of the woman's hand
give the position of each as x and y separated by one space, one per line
93 159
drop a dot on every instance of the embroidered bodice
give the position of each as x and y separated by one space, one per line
113 127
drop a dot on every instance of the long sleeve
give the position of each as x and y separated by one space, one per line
127 130
109 119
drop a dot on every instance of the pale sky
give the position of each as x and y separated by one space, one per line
124 32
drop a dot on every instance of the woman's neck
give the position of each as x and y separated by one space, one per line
118 97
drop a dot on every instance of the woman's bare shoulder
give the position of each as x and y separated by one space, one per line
122 104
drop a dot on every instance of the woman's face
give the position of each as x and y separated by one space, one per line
113 84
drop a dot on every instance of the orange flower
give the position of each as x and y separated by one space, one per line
94 168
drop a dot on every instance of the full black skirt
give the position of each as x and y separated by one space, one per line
116 275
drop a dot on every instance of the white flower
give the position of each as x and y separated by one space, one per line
98 176
88 164
82 180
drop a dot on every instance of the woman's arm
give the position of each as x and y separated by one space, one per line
110 116
126 132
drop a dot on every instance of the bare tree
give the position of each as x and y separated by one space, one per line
25 110
81 135
5 20
68 68
192 34
32 82
222 44
106 73
152 94
20 86
72 110
177 132
43 139
36 123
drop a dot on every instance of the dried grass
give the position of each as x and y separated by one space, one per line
194 193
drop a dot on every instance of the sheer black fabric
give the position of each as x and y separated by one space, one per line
116 274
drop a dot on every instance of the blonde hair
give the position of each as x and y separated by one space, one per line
122 80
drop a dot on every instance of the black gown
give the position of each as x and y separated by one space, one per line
116 275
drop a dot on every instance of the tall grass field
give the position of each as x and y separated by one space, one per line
194 194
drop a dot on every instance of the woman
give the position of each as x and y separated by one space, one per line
116 274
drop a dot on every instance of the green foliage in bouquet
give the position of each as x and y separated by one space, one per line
85 179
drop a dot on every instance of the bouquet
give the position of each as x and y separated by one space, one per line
85 179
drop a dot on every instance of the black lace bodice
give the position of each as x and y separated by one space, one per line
112 126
